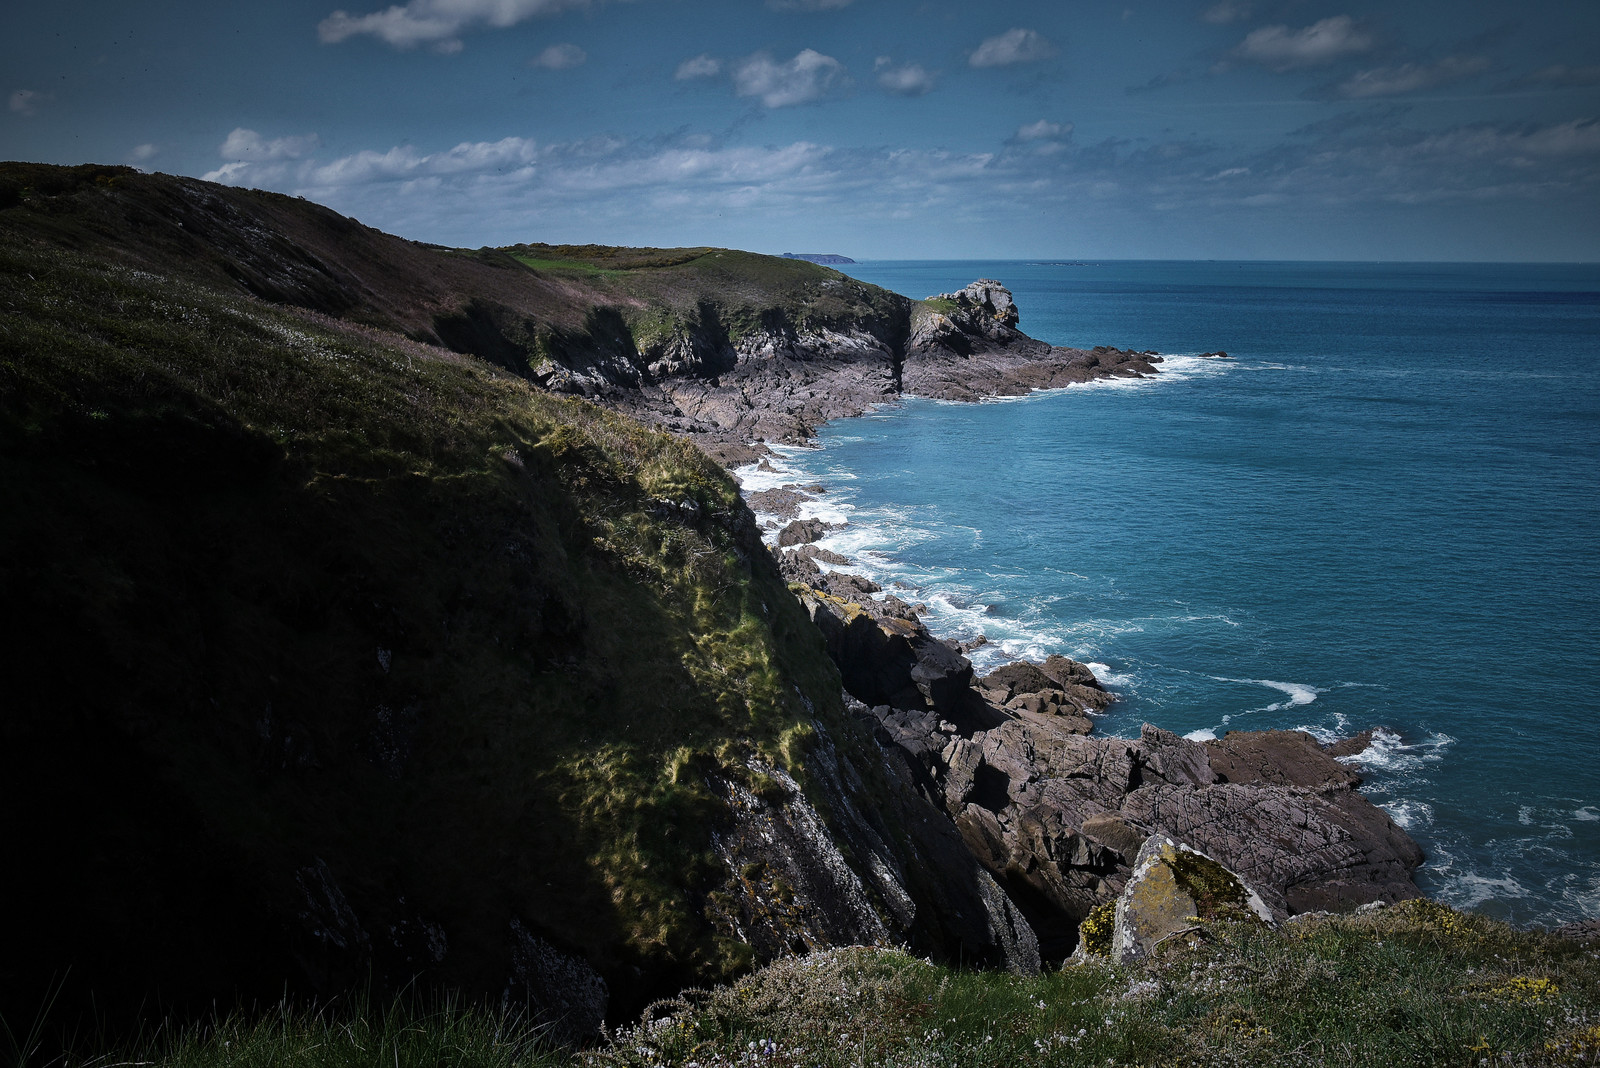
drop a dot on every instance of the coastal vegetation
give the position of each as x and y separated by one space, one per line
1414 985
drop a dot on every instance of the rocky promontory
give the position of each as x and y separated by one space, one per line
778 386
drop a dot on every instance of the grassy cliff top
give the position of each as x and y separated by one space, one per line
514 306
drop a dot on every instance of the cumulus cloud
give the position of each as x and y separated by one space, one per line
702 66
250 147
909 79
436 22
559 57
809 76
1280 49
1228 11
1044 130
1012 47
1410 77
24 102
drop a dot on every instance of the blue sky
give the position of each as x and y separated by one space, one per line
882 129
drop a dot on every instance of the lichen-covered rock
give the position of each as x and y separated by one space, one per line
1173 889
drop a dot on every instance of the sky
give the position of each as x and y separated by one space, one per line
878 129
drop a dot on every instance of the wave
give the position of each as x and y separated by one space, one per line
1410 814
1393 756
1299 693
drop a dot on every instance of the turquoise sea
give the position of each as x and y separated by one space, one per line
1382 511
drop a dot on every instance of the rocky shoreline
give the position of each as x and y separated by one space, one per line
778 386
1056 814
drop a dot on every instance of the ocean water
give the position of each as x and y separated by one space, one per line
1382 511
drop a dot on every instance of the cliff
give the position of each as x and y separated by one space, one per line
352 642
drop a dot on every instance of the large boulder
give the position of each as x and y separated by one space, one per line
1173 889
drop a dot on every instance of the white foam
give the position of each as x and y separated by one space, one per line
1324 735
1470 890
1410 815
1587 814
1204 734
774 471
1107 677
1389 753
1299 693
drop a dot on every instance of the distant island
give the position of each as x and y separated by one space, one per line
830 258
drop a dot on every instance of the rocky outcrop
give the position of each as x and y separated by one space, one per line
1059 816
1172 891
785 382
802 532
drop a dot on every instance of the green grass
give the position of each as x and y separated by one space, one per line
1417 985
345 1033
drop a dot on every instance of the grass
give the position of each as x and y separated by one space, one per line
407 1030
1416 985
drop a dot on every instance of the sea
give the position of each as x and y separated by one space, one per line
1381 510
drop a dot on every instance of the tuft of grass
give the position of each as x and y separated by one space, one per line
355 1032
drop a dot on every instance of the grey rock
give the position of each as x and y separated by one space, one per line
801 531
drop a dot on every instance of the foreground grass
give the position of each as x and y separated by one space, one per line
1418 985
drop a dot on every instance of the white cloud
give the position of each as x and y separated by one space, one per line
1227 11
807 5
1013 46
250 147
25 102
704 65
436 22
694 189
1411 77
1044 130
809 76
1280 49
910 79
142 153
559 57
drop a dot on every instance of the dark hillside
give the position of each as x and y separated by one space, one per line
608 313
331 653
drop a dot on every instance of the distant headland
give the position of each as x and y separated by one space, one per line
830 258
